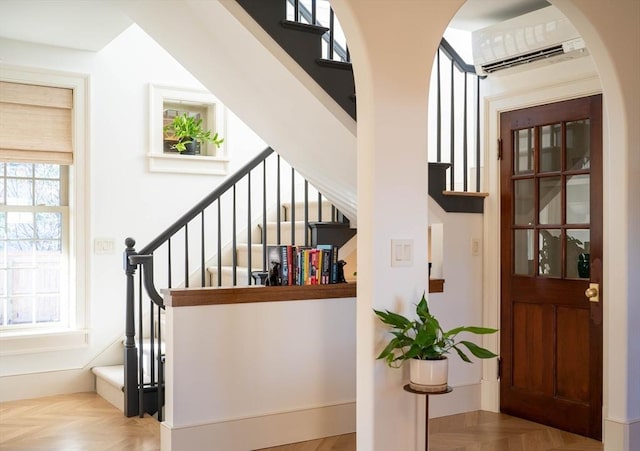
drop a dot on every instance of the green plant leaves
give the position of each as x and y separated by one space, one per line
424 339
187 129
476 350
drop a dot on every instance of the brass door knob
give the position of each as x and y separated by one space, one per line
592 292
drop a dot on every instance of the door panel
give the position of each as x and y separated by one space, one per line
551 234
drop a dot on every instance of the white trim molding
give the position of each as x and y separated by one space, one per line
76 335
265 430
159 161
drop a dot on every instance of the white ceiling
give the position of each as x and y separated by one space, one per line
78 24
476 14
91 24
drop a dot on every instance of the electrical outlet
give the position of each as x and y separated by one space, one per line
475 246
103 246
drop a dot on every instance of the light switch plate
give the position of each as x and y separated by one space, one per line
401 252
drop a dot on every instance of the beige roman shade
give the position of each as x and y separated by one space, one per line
35 123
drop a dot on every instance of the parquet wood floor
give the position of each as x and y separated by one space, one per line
86 422
474 431
78 422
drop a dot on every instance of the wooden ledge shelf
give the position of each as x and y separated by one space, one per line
190 297
436 285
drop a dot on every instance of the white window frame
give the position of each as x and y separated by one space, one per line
75 335
185 164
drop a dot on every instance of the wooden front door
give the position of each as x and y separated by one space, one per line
551 234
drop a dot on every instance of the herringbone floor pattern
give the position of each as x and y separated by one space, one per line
78 422
474 431
86 422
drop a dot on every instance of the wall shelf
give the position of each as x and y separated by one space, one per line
436 285
187 297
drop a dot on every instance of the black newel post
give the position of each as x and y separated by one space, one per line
131 404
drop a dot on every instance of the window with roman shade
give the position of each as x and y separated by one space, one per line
36 151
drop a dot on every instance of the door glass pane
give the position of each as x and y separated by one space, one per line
550 260
550 200
523 151
551 148
578 263
578 199
578 150
523 252
523 203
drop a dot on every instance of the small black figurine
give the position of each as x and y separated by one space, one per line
340 278
274 274
260 277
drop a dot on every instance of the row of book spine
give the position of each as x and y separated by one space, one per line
303 265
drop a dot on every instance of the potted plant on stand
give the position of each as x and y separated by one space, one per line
423 342
188 132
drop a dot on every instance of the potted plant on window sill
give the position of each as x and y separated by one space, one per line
188 132
424 344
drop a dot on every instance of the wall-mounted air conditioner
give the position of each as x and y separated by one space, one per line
545 35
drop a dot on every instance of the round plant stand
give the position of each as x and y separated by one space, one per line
426 412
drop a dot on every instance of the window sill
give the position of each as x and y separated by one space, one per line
188 164
23 342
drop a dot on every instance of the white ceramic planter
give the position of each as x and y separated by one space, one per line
428 376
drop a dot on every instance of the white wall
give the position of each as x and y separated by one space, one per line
124 198
250 376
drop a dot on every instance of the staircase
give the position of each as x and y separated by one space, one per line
307 219
239 243
311 230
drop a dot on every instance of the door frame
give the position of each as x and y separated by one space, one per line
494 105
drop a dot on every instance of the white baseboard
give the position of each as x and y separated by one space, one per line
38 385
621 436
463 398
261 432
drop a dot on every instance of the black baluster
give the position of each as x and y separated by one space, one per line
453 133
464 138
202 251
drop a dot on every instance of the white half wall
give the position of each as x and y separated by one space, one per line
235 374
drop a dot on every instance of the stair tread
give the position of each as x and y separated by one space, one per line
344 65
113 374
306 27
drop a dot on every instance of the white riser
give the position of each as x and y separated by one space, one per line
285 233
313 211
109 384
227 276
256 256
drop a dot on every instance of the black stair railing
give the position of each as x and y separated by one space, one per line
202 248
458 93
456 88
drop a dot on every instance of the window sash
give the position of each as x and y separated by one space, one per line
34 263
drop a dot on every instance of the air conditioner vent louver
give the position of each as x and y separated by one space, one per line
531 40
523 59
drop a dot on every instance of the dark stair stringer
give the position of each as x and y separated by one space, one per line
335 233
451 204
303 42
